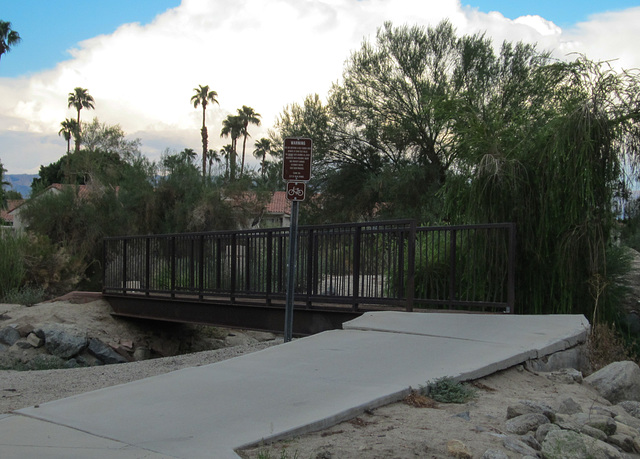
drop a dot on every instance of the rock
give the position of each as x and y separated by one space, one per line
628 420
35 340
593 432
260 335
517 446
239 339
565 444
597 421
458 449
24 329
566 376
530 440
617 382
624 442
624 429
63 342
494 454
520 425
141 353
87 360
9 336
23 344
631 407
543 430
573 359
568 405
164 347
104 353
530 406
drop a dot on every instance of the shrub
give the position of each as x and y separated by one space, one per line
448 390
606 345
26 295
12 269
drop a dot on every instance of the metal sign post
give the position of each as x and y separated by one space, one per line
291 275
296 171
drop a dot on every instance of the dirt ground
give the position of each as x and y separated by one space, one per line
410 429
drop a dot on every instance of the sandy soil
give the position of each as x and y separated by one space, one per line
403 430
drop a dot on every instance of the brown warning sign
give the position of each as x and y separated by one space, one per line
296 164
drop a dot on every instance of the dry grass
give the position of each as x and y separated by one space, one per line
606 345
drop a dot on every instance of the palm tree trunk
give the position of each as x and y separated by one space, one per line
204 142
244 145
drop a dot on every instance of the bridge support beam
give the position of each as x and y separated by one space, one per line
237 315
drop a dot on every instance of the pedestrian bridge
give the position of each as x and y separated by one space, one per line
238 278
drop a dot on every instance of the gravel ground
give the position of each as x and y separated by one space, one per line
20 389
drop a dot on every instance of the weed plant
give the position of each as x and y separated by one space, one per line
26 296
448 390
12 268
284 454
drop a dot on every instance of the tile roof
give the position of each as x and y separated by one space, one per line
279 203
11 204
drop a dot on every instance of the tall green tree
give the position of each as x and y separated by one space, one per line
394 104
79 99
248 116
8 37
262 149
68 129
203 96
232 127
546 151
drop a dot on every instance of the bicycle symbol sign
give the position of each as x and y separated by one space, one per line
296 191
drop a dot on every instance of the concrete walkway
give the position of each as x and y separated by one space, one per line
304 385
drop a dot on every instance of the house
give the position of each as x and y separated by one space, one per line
14 214
277 213
6 217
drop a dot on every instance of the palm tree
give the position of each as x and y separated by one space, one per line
232 127
263 148
8 37
188 155
202 97
79 99
68 128
213 157
226 154
248 116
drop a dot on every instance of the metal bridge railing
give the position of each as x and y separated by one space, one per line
391 263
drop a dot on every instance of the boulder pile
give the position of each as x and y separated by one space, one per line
570 430
58 345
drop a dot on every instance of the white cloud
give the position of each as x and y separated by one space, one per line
261 53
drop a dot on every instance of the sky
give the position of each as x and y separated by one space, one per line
142 59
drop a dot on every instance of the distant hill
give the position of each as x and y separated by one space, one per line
20 183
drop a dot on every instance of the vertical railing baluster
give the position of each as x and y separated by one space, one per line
411 265
310 264
269 267
511 293
124 266
172 282
147 267
452 273
356 266
234 261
